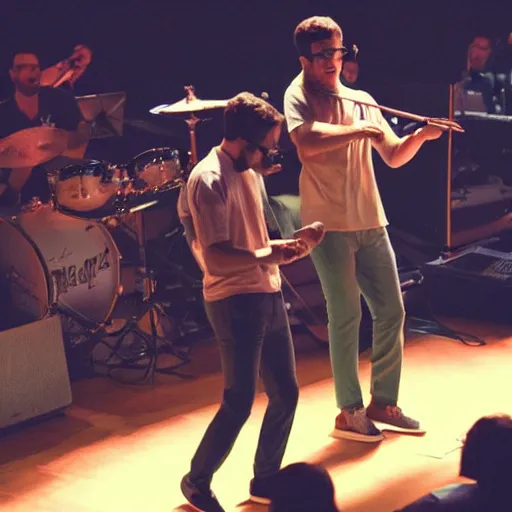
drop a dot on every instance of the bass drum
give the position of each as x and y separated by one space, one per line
49 258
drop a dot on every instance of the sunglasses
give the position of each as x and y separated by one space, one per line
329 53
271 156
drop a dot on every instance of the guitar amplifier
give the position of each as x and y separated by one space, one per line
34 379
474 284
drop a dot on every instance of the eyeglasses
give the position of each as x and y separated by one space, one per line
31 67
329 53
271 156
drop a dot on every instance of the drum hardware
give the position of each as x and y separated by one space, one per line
166 260
190 105
62 270
148 347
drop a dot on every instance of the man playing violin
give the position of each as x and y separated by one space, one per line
334 138
34 106
67 72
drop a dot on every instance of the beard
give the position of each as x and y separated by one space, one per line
241 164
28 89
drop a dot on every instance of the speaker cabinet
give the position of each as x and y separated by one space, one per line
34 379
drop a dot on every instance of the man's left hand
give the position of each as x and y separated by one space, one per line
430 132
312 234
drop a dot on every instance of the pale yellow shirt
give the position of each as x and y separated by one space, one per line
337 187
227 206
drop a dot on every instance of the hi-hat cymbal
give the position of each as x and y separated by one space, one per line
186 106
32 146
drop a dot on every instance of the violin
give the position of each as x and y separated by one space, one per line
67 70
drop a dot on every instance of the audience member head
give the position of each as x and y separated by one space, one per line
479 53
303 487
487 452
350 71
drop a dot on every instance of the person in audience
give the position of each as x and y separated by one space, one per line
477 78
350 73
303 487
487 459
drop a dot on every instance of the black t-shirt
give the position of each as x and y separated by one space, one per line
58 109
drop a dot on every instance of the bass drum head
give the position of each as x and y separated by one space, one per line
82 261
25 294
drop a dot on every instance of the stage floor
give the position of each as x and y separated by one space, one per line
124 448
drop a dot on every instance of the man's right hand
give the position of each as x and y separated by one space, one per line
370 130
285 252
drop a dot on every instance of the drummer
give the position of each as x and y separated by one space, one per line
31 106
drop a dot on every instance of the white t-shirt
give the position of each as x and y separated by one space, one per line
227 206
337 187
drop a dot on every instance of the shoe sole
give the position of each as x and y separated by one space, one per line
259 499
400 430
355 436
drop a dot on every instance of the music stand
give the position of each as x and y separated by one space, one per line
105 112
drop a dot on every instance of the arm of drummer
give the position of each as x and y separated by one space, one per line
313 137
397 151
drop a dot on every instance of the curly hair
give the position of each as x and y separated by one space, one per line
249 118
313 30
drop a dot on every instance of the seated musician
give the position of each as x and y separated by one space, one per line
32 106
478 80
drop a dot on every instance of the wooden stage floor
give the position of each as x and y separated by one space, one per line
125 448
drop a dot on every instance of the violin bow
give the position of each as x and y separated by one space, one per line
439 122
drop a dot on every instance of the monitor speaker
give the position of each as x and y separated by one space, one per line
34 379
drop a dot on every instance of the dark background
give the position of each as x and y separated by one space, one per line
152 49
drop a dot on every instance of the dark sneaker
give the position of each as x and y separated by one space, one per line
356 426
393 416
202 498
261 490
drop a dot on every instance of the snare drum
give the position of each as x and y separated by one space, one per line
50 258
156 168
86 189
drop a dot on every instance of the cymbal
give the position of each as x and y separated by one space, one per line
32 146
186 106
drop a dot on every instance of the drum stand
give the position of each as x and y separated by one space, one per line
151 344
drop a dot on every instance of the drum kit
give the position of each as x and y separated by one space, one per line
63 257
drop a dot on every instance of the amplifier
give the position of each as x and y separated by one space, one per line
34 379
475 283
